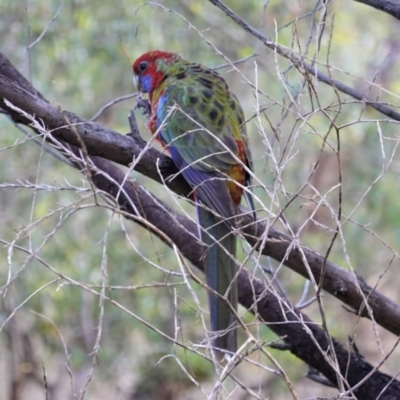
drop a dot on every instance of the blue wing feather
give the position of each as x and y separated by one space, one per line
209 186
210 150
203 160
208 183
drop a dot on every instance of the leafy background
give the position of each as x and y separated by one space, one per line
82 62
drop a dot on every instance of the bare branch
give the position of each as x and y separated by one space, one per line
388 6
299 63
265 238
304 338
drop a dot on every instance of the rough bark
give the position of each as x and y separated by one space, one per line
390 7
301 336
101 141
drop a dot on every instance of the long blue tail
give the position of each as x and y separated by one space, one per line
220 270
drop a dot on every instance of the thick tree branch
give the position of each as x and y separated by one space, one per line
304 338
99 140
301 335
388 6
68 127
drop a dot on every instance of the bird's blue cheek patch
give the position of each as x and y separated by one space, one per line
145 83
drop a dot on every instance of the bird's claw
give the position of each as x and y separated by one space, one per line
143 103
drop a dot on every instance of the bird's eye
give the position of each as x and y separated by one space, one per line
142 66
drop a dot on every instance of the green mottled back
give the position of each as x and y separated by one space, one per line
201 123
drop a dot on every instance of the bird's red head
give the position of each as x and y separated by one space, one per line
151 68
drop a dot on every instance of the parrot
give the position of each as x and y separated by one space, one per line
196 118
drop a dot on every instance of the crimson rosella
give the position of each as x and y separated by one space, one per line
201 123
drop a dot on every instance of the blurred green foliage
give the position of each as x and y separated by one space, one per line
82 62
